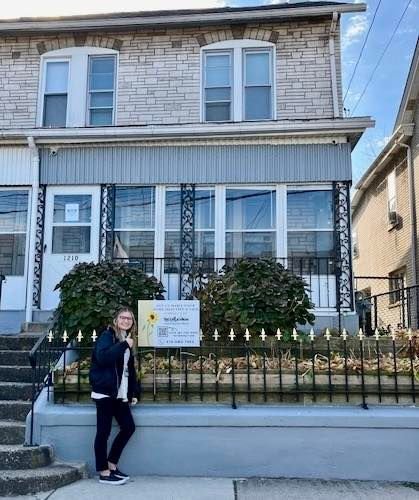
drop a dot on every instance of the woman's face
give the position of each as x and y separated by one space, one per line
124 321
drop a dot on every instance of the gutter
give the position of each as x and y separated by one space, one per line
332 34
32 228
172 18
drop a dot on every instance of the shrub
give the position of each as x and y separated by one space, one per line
90 294
254 294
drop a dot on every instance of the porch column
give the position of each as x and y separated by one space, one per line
39 249
107 222
187 232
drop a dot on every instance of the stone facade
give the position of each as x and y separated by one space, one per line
159 74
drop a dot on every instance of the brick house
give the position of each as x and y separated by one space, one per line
123 134
385 208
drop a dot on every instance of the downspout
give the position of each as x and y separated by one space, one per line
333 28
412 208
32 227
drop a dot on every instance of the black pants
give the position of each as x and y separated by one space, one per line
106 408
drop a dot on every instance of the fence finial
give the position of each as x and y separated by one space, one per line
65 336
79 336
94 336
294 334
216 335
50 336
377 334
344 334
312 335
328 334
361 335
232 335
247 335
278 334
392 333
263 335
201 335
409 334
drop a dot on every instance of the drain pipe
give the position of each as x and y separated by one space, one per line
332 33
32 228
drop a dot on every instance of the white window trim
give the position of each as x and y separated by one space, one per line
238 47
77 88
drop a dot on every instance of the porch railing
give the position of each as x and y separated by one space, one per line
318 272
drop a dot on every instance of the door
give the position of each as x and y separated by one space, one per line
71 235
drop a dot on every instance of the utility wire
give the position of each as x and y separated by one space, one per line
381 57
362 50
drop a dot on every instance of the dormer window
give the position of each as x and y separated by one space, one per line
238 81
78 87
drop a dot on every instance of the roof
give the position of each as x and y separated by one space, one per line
230 15
411 92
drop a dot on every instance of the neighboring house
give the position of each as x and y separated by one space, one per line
385 208
178 141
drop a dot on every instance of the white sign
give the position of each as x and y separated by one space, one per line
71 212
168 323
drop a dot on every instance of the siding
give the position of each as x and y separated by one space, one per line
15 166
197 164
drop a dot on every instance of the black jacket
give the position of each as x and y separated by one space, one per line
107 366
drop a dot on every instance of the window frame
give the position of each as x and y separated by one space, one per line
44 84
238 48
89 92
78 86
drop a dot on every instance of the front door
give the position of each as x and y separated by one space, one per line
71 235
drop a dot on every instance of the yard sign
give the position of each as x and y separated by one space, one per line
168 323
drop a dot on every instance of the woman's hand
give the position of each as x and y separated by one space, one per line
130 341
134 401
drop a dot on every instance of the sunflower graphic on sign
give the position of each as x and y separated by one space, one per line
147 320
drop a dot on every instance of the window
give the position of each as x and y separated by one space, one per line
397 282
134 225
13 219
204 228
355 244
310 229
78 87
391 198
250 223
55 94
71 223
238 81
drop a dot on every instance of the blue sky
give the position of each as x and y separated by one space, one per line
381 101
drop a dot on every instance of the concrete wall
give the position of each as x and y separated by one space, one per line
159 71
269 441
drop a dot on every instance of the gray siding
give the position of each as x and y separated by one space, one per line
197 164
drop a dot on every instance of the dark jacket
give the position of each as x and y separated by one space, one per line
107 366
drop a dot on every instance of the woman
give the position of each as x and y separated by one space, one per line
114 387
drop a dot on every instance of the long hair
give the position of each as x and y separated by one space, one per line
132 331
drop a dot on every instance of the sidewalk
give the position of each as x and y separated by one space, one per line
174 488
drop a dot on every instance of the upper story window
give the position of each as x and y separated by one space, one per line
238 81
78 87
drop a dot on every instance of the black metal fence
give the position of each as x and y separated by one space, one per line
296 368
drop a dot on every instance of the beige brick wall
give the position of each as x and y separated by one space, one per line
159 72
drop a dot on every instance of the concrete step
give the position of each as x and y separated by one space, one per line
15 373
34 327
21 342
23 482
13 456
13 391
14 410
12 432
11 357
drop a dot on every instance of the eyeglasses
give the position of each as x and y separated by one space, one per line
125 318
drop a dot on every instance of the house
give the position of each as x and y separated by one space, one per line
124 135
385 224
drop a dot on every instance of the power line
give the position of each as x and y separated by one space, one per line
362 50
381 57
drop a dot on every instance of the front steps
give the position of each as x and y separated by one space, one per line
24 469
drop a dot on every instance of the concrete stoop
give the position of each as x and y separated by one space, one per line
24 469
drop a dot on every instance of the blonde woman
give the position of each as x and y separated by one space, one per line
114 388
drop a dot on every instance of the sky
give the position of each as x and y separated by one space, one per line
382 97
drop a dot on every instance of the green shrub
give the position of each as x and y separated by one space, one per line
90 294
254 294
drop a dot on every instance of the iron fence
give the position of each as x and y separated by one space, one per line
254 368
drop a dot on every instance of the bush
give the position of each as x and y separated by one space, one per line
90 294
254 294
